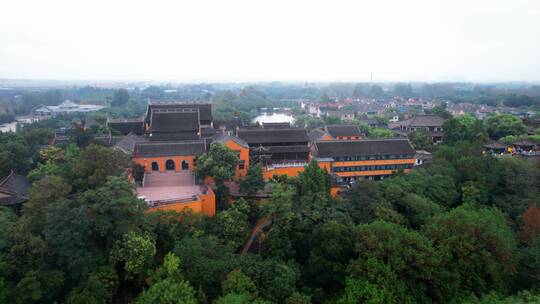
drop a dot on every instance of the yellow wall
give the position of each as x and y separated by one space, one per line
374 162
206 204
409 161
369 173
289 171
243 155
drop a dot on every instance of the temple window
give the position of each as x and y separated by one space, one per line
169 165
185 165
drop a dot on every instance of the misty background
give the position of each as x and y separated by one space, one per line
480 41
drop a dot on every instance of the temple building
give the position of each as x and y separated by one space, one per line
165 145
336 132
125 126
279 150
350 160
14 191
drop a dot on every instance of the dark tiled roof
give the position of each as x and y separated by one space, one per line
343 130
16 183
495 145
228 124
60 140
207 132
181 148
176 136
276 125
526 143
269 136
126 126
14 190
127 144
424 121
362 147
102 139
370 121
205 109
288 149
174 120
316 134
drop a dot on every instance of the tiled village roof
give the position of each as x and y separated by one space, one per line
343 130
269 136
362 147
423 121
495 145
525 143
159 149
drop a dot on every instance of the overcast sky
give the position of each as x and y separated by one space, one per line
237 40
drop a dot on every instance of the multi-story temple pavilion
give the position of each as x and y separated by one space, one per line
351 160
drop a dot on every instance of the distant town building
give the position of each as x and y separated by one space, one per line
66 107
432 124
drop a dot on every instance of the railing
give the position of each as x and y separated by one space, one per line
158 203
286 164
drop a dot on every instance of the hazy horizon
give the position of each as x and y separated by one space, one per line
287 41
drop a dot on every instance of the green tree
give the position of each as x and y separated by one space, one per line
42 194
480 245
298 298
168 288
232 224
239 283
313 180
120 98
503 125
253 181
421 140
331 250
218 163
113 210
380 133
464 128
96 163
402 262
105 280
14 154
365 201
135 251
